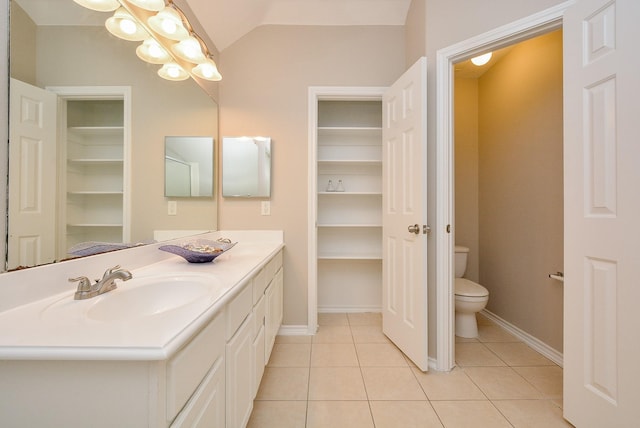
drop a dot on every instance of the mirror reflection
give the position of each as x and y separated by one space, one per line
105 176
188 164
246 167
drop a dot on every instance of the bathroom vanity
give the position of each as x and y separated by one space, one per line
177 345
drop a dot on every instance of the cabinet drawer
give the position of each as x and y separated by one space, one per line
189 366
238 309
259 311
260 283
272 267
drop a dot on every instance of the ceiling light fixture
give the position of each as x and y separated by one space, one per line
481 59
166 34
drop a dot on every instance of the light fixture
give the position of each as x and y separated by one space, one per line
481 59
166 34
99 5
150 5
123 25
168 23
207 70
190 50
172 71
151 52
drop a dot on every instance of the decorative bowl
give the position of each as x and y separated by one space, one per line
199 251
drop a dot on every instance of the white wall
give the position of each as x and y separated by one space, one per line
264 92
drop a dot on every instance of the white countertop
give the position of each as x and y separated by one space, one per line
32 331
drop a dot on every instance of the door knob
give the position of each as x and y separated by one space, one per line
414 228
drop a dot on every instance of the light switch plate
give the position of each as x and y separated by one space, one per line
265 208
172 208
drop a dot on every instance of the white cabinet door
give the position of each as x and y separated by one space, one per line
404 214
239 356
32 171
602 208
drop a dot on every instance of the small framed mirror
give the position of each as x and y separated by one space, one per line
246 167
188 167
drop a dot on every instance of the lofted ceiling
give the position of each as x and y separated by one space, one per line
226 21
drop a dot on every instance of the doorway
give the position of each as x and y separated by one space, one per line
509 197
507 35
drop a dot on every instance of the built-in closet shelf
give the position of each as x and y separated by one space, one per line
95 130
349 162
96 192
373 131
93 225
351 193
96 161
340 256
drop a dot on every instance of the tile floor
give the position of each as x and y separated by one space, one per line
350 375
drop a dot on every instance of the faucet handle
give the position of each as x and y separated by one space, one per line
83 283
110 271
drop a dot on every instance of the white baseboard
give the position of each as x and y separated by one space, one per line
348 309
528 339
293 330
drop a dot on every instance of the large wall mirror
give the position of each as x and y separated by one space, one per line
188 167
246 167
56 45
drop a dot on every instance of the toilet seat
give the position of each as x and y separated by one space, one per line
466 288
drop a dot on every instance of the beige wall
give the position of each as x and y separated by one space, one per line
415 32
265 92
521 191
23 54
466 171
159 108
448 22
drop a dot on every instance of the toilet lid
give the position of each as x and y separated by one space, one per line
464 287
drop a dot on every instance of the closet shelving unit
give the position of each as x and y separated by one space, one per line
95 134
349 222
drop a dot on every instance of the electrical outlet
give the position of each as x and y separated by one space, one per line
172 208
265 208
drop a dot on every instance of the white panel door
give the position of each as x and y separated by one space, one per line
32 175
602 212
404 173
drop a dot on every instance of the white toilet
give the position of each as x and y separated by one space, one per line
470 297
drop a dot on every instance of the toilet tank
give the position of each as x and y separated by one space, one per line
461 254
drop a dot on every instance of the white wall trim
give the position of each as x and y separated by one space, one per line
348 309
317 93
533 25
293 330
532 341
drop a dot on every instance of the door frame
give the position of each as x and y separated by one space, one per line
525 28
315 94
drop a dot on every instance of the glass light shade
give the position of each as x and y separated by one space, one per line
207 70
125 26
151 52
172 71
168 23
151 5
99 5
190 50
482 59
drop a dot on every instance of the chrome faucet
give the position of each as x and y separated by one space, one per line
108 282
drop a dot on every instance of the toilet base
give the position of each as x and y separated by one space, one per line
466 325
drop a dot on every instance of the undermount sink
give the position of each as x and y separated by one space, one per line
140 297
